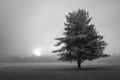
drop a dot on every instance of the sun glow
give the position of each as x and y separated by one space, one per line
37 52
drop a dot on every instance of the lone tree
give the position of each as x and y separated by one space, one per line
81 41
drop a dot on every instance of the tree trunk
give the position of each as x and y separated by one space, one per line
79 64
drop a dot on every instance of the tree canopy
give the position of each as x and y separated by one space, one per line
81 41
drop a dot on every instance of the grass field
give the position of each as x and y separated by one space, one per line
58 72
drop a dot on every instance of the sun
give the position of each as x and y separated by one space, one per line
37 52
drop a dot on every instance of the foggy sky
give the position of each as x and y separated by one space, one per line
26 24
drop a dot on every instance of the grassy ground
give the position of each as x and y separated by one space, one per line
58 72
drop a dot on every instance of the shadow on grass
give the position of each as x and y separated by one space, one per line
86 68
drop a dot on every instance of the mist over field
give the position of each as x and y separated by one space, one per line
113 60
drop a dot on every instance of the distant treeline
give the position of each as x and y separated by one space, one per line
28 59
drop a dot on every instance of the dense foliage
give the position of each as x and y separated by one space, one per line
81 41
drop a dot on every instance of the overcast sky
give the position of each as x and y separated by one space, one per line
27 24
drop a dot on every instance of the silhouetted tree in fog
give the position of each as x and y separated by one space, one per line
81 41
